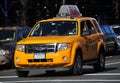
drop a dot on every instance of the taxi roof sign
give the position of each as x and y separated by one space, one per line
69 11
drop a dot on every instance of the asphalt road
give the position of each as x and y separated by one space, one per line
110 75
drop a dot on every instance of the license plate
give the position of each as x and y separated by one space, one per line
39 56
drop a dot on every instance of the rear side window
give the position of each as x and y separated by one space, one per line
96 25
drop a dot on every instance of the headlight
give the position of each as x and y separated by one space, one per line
62 46
20 48
2 52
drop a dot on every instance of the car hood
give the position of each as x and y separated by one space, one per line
55 39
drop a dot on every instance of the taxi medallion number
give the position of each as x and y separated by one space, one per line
39 56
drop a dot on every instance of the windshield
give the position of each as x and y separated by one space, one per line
117 30
7 35
56 28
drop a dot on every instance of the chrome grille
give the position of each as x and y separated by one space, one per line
37 48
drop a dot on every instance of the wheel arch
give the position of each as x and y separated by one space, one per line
101 47
77 66
75 52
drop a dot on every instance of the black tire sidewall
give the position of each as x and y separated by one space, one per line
100 65
22 73
78 64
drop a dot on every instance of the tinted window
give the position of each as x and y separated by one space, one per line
90 27
117 30
7 35
87 26
57 28
97 26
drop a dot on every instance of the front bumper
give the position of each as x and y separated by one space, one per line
52 60
46 68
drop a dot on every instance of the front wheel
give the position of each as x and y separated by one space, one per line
22 73
78 64
100 65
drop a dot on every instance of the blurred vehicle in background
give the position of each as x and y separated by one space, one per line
116 29
110 39
8 39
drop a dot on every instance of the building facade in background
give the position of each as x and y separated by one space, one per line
27 12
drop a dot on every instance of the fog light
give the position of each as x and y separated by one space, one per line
17 59
64 58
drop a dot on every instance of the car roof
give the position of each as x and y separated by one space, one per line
66 19
115 26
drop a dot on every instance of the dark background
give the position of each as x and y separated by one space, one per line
27 12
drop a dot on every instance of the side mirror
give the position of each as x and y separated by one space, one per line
85 33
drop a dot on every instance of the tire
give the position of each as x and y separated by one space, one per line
22 73
78 65
100 65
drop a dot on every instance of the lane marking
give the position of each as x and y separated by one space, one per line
112 63
97 74
62 80
104 74
71 80
8 76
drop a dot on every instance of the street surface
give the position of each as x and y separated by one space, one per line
110 75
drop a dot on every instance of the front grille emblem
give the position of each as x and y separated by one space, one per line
39 48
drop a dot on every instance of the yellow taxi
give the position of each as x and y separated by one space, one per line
63 42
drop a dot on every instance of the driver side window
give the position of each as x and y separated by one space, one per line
84 28
87 28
